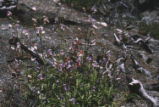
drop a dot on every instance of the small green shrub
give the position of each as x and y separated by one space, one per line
149 28
79 4
131 96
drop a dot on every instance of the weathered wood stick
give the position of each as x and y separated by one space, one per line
15 40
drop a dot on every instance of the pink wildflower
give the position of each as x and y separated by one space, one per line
9 13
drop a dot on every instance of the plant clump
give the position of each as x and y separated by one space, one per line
152 28
73 78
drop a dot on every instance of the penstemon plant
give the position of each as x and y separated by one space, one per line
70 81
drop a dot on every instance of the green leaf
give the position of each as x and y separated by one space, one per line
78 81
53 86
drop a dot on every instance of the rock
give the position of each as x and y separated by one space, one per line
8 5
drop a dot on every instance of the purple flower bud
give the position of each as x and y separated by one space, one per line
26 33
72 100
95 64
18 46
37 71
57 81
69 65
60 67
63 104
62 26
9 13
56 19
90 19
39 30
62 52
54 63
50 52
38 92
46 20
40 76
94 9
88 58
65 87
32 88
93 88
38 68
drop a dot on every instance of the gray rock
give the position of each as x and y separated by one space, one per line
8 4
